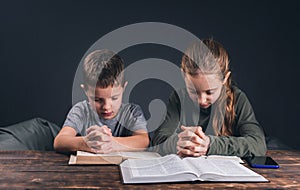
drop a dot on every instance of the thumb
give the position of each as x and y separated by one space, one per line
106 130
200 133
183 127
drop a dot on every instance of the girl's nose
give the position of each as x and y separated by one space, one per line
202 99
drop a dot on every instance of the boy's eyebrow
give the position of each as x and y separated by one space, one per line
92 97
116 93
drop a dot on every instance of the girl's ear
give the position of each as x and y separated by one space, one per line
226 77
125 84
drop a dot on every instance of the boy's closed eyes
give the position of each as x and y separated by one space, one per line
105 101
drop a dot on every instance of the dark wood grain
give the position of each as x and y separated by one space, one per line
41 170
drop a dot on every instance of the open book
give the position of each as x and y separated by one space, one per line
83 158
172 168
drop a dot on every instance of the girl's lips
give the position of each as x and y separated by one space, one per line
204 105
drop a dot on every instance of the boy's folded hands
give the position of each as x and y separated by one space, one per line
99 139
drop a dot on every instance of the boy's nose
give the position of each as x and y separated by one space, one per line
106 105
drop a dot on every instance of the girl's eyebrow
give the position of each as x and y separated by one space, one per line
212 89
190 88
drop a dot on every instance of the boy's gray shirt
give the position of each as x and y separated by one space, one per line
129 119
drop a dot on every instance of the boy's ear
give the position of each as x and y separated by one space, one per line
226 77
83 88
182 73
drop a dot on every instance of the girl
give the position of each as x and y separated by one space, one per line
210 116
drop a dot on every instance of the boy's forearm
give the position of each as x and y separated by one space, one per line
66 143
132 143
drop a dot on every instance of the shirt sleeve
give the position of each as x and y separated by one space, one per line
249 138
137 121
76 118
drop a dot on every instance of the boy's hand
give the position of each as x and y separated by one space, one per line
99 139
192 142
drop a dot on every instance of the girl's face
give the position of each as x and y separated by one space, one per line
105 101
204 89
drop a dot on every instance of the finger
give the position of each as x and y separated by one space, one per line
185 144
190 136
191 128
105 137
186 134
187 153
196 139
92 128
97 146
90 136
106 130
98 136
93 144
106 151
103 129
180 154
104 148
93 135
200 133
198 149
183 127
195 147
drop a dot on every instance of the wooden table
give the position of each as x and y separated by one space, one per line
40 170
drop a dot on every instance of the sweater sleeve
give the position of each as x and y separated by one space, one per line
165 137
248 138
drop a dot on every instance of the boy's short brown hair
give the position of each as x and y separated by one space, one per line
103 68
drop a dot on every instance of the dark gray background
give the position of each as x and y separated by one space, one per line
42 43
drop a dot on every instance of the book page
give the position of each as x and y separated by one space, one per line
164 166
139 155
83 153
220 167
234 158
125 155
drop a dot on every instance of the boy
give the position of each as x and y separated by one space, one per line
103 124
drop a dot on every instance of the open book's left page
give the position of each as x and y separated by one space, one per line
112 158
169 168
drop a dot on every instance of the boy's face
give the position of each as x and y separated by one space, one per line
204 89
105 101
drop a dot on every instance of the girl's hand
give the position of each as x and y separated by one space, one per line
192 142
99 139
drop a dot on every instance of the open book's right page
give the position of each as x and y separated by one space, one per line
222 170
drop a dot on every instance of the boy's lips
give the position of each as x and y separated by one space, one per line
107 114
